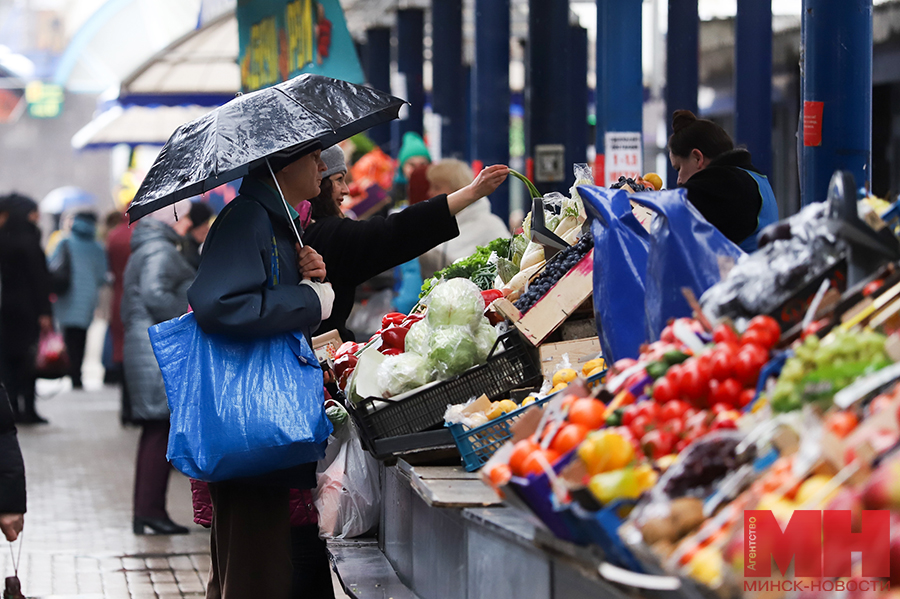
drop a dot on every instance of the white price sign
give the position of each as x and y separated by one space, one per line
623 156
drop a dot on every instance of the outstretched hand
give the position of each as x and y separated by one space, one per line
310 263
486 183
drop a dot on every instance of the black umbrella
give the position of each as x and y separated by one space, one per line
275 124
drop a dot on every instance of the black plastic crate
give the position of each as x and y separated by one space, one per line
512 368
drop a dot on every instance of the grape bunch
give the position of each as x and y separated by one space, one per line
623 181
706 464
553 272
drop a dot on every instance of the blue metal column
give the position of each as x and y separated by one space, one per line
753 80
377 63
682 64
546 87
837 72
410 56
620 83
490 93
448 84
576 147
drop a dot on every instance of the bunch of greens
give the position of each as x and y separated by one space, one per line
476 267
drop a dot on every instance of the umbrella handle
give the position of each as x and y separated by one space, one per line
287 207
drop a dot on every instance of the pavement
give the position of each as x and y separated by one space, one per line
77 542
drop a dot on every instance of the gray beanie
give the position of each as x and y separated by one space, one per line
333 158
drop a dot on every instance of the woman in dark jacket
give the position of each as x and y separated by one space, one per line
251 538
154 290
24 302
355 251
720 180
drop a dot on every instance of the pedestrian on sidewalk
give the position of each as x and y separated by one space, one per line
24 302
199 215
74 309
118 250
154 290
12 473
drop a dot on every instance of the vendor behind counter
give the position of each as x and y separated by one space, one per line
720 180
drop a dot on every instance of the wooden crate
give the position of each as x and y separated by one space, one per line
556 306
579 351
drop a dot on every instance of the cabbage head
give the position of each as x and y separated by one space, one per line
456 302
418 337
485 336
403 372
453 350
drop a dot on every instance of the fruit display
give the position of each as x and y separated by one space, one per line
553 272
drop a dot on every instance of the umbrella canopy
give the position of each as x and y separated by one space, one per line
66 198
284 120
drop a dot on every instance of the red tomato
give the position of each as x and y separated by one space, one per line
588 412
664 391
748 363
634 381
639 426
720 407
628 414
667 335
657 443
746 397
674 426
768 323
721 363
760 337
722 333
673 410
697 422
841 423
726 392
649 408
674 375
694 383
568 438
723 421
624 364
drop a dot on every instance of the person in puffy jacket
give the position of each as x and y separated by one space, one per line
154 290
74 309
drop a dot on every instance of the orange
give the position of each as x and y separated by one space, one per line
500 475
521 451
588 412
532 463
568 438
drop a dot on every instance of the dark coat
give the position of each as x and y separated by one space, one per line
12 468
118 249
355 251
155 290
24 286
230 295
727 196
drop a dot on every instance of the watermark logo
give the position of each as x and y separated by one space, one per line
820 543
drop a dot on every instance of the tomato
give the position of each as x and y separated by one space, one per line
671 410
664 391
628 414
722 333
588 412
392 318
723 421
721 364
760 337
639 426
720 407
521 450
667 335
623 364
726 392
649 408
694 383
674 375
395 337
746 397
674 426
768 323
568 438
533 465
697 422
657 443
748 362
841 423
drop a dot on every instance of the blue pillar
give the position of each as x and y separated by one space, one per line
682 64
620 83
600 90
576 148
448 83
377 63
490 92
410 56
546 104
837 71
753 81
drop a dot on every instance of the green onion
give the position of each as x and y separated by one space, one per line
531 188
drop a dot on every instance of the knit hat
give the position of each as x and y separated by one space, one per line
413 145
334 161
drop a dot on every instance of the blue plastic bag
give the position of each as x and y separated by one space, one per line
239 408
685 251
621 246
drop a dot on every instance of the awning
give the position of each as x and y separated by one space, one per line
134 125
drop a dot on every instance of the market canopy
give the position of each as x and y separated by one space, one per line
135 125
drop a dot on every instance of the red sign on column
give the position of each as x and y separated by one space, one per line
812 123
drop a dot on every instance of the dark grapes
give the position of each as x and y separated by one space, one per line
705 465
553 272
628 181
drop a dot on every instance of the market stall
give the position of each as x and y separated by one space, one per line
594 406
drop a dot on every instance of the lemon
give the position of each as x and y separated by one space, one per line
508 405
654 180
496 410
564 375
603 451
811 487
591 367
706 566
646 476
597 370
558 387
528 400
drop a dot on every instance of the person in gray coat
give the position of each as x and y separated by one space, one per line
155 287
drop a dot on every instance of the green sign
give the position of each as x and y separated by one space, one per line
45 100
281 39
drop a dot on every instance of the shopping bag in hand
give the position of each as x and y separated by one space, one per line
347 495
685 251
239 408
52 360
621 245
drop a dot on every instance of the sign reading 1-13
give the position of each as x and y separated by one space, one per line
623 156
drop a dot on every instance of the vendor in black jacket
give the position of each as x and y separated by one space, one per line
720 180
12 473
355 251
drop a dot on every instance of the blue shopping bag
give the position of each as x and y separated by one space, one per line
621 245
239 408
685 251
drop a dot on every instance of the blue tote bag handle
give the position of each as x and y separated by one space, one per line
685 251
620 265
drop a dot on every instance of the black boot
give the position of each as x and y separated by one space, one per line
158 526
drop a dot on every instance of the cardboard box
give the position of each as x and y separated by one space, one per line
579 352
325 346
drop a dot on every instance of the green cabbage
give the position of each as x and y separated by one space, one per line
456 302
418 337
453 350
485 336
404 372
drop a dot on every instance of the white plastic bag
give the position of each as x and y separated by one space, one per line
348 494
